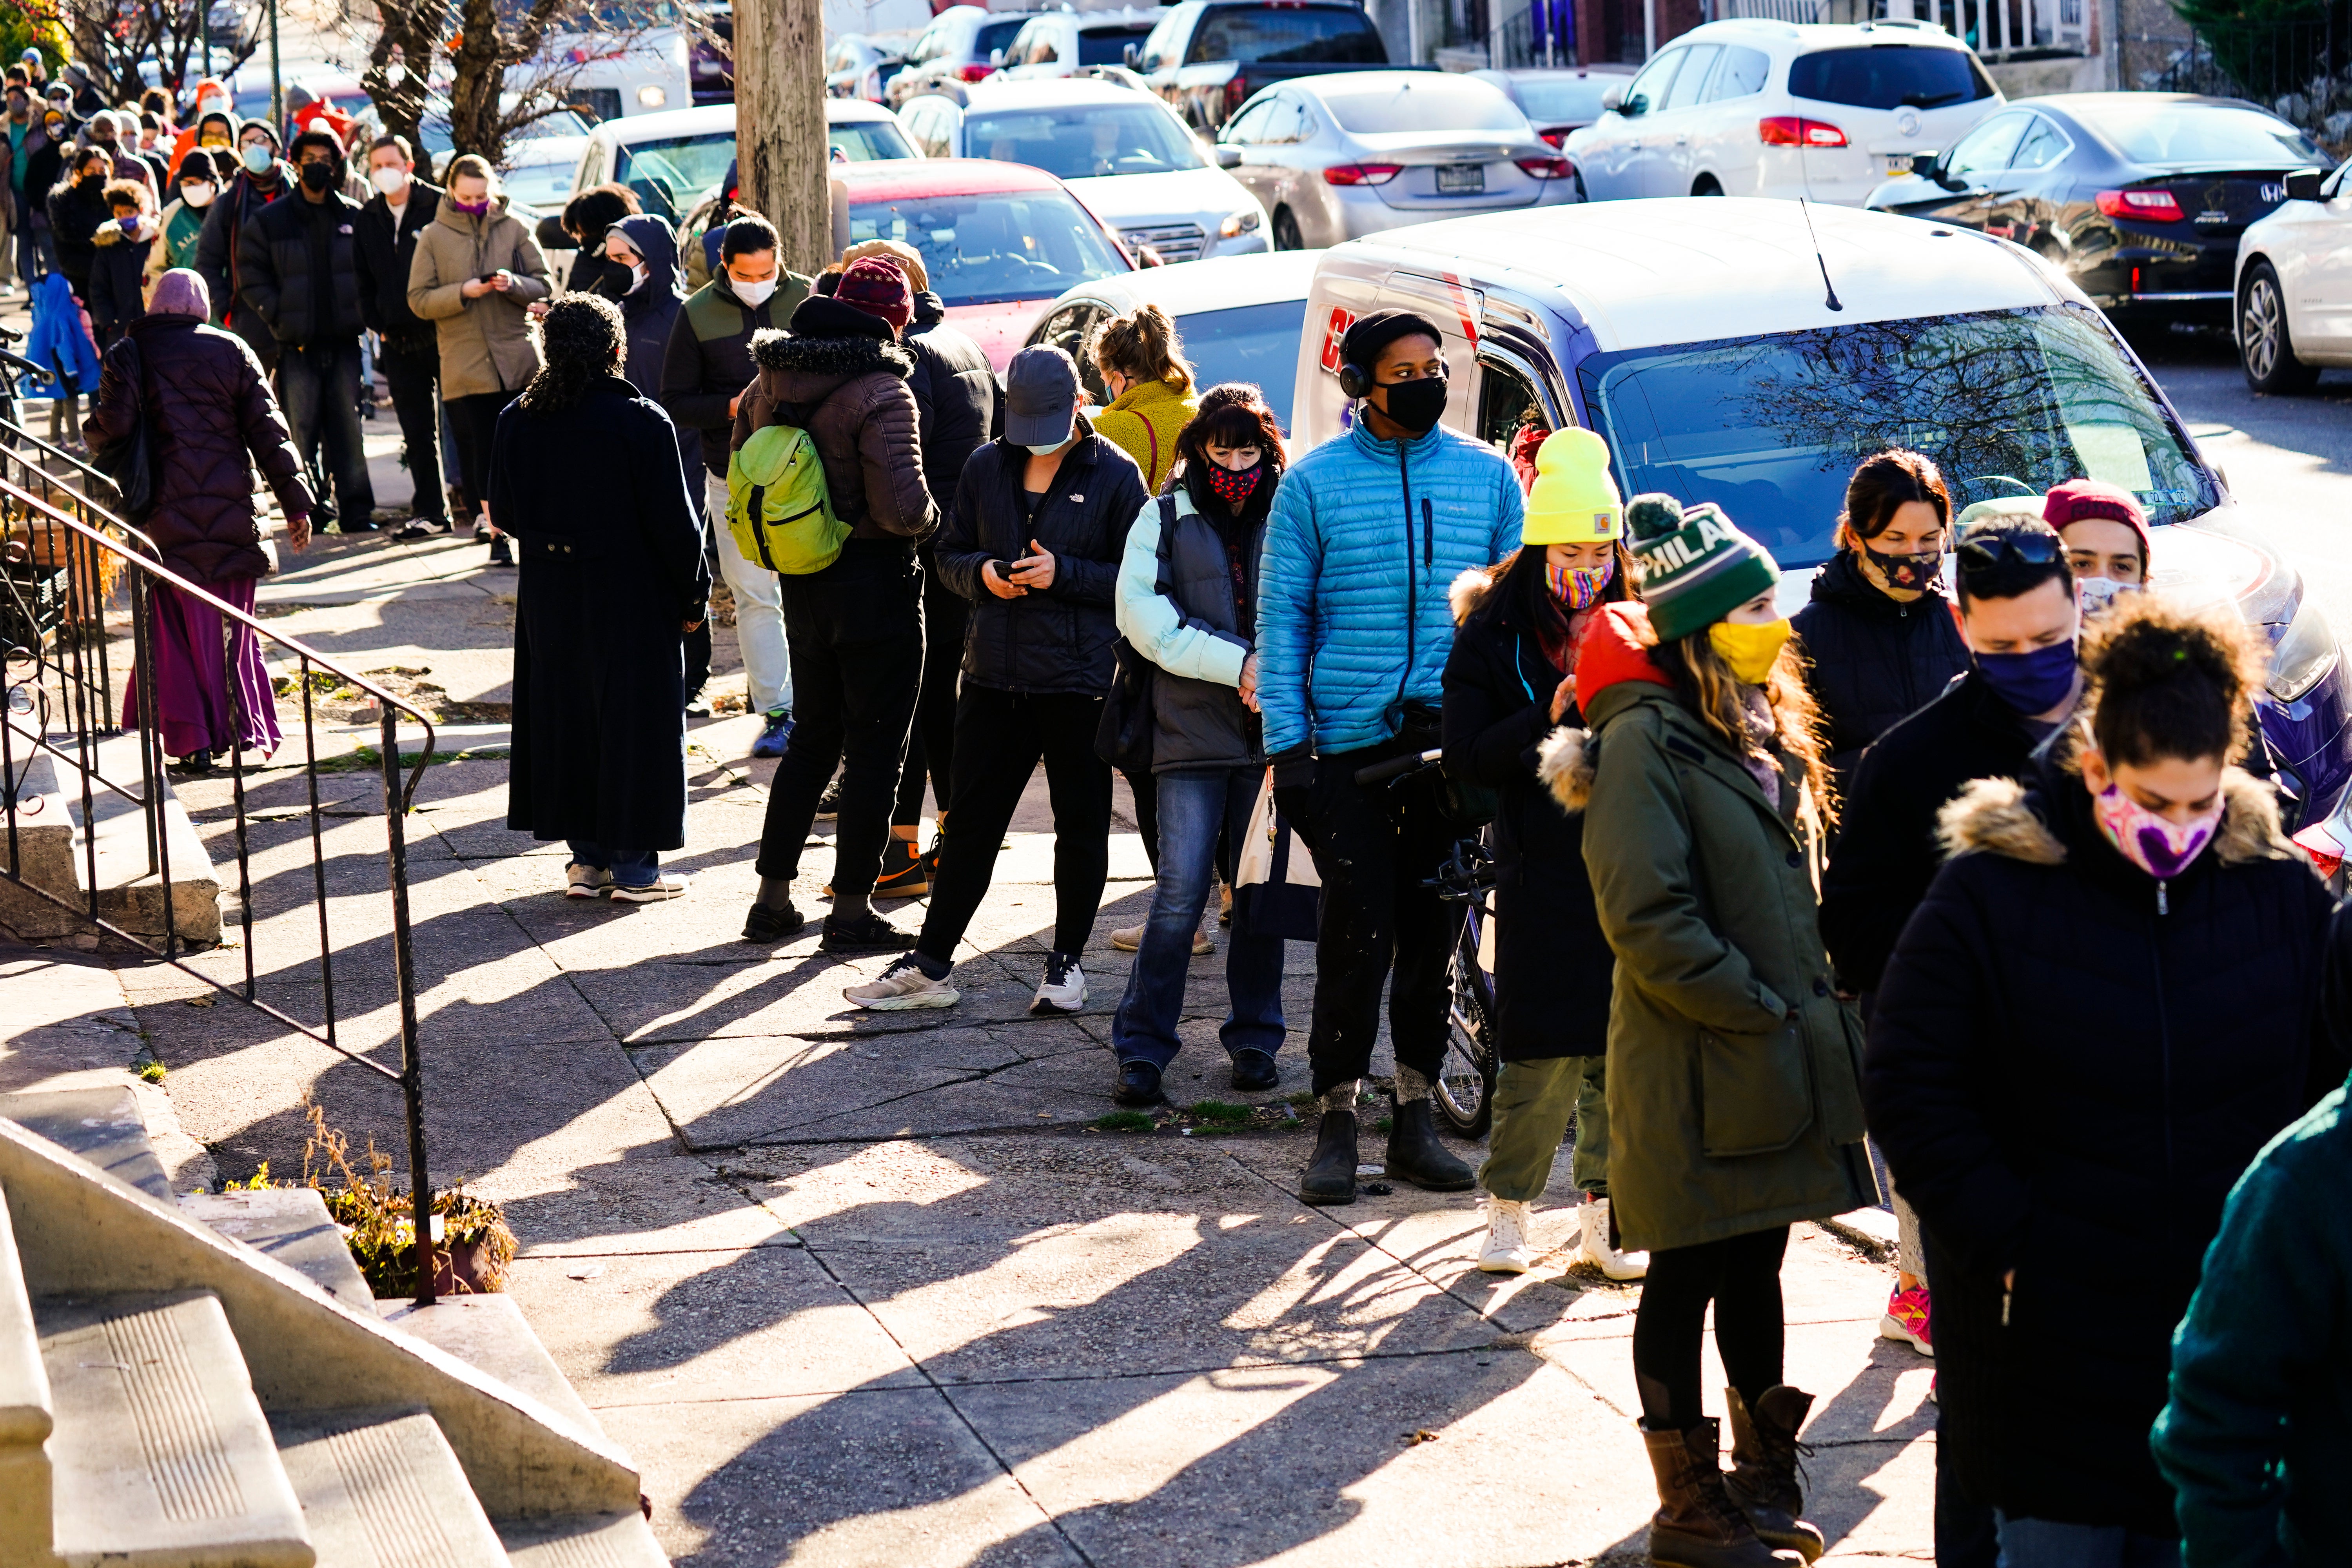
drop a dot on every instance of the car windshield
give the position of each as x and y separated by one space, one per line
864 140
544 185
1256 343
2008 403
1289 34
2196 134
1433 104
979 250
669 173
1889 76
1085 141
1551 98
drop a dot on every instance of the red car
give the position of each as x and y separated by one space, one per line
998 240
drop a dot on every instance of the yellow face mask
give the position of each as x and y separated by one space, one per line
1748 651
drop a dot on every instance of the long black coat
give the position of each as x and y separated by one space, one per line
955 393
609 537
1874 662
1886 853
2068 1067
1552 965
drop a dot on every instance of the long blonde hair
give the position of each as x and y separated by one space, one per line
1709 689
1143 345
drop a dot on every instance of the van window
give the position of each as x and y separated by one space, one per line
1889 76
1508 406
1742 74
1303 34
995 36
1107 46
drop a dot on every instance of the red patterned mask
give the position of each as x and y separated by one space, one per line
1235 486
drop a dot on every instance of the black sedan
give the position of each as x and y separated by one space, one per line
2138 196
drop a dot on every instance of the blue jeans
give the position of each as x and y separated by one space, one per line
630 868
1192 807
2043 1543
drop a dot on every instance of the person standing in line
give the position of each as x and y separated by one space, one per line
1352 638
856 625
262 178
707 366
182 221
408 347
587 218
19 124
1187 602
2106 1005
43 165
1041 521
587 479
1735 1094
124 245
1509 682
2105 531
210 420
475 274
117 135
647 248
299 265
77 210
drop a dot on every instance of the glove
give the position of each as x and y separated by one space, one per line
1293 769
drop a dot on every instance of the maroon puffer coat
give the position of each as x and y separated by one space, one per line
208 407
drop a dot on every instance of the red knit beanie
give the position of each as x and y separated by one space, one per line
878 288
2078 498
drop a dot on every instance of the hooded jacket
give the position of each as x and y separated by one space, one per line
2070 1063
75 214
955 393
219 256
485 342
1873 661
57 340
1179 607
117 294
839 375
1734 1078
386 260
708 361
297 262
179 229
1364 538
648 313
1144 422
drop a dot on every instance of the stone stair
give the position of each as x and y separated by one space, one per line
208 1383
52 840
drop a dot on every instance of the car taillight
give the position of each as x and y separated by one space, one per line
1362 173
1788 130
979 70
2153 207
2326 855
1236 94
1548 168
1557 135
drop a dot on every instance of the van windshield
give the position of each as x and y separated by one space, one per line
2008 403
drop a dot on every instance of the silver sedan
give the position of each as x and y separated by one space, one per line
1336 157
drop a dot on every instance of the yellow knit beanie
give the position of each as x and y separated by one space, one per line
1574 500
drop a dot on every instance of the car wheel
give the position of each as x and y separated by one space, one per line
1286 230
2266 349
1705 186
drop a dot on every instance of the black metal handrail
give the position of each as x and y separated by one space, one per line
55 670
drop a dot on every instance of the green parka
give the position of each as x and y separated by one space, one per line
1735 1093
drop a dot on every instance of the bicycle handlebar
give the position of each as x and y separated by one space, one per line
18 363
1397 767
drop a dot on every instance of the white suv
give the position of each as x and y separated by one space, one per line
1782 108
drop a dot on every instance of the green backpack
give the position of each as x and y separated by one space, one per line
778 507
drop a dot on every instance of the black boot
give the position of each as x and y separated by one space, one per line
1415 1155
1763 1479
1330 1175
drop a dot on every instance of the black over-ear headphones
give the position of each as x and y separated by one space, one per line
1354 381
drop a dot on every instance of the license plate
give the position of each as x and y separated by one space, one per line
1898 162
1455 179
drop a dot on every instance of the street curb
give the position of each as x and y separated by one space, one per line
1869 1231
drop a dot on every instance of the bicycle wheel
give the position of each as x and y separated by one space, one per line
1464 1090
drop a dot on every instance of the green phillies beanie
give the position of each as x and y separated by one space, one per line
1692 567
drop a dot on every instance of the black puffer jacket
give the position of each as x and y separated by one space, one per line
1874 662
1060 639
298 271
955 393
385 259
1552 965
2069 1065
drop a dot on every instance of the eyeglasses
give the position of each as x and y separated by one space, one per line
1981 555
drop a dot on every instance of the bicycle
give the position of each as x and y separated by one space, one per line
1464 1088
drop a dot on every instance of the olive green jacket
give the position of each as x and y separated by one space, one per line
1735 1077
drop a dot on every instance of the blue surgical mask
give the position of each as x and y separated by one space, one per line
258 158
2035 682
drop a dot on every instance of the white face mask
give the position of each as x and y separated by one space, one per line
638 273
390 182
196 195
2095 593
1050 448
752 294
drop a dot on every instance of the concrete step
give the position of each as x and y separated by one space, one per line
161 1456
593 1541
52 845
292 1226
40 849
25 1418
381 1489
102 1126
488 1333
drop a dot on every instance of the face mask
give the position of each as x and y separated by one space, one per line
753 294
2033 682
318 178
637 276
472 209
390 182
1415 405
213 103
1050 448
1907 573
1578 587
1748 651
215 141
1235 486
2157 845
92 181
2095 593
258 158
196 195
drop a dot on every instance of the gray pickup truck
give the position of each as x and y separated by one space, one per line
1207 57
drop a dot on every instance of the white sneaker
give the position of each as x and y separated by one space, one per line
585 881
668 885
1593 1245
1064 989
1507 1249
1129 938
903 986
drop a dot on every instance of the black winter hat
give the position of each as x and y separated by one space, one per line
1362 345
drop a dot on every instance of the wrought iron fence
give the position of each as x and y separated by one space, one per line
2298 67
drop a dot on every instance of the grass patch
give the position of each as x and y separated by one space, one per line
152 1071
1382 1125
1222 1111
367 758
1124 1122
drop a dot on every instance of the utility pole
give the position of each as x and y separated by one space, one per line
277 87
780 151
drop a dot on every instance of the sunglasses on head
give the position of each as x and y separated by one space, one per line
2033 549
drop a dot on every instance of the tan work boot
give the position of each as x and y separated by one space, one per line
1764 1463
1698 1525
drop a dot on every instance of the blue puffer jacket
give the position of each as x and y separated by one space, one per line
1363 528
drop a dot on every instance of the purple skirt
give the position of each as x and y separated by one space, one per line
197 652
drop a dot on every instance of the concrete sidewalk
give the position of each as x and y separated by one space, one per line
862 1289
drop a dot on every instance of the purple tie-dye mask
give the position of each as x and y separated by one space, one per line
2157 845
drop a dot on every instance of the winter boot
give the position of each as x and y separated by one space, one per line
1415 1155
1330 1176
1698 1525
1763 1479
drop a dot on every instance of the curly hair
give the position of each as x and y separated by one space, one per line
581 338
1142 344
2170 679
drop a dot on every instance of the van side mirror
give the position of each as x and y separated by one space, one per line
1614 100
1228 157
2303 186
1131 57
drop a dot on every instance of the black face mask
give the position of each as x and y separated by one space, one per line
1907 573
1415 405
318 178
92 182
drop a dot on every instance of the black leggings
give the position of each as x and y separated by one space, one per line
1741 1275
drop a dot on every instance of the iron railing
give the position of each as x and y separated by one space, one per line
64 557
2299 68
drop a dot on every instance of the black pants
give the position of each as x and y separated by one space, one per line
855 633
1000 738
1741 1275
474 424
318 385
931 747
1374 848
414 376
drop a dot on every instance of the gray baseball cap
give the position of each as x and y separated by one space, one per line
1041 392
